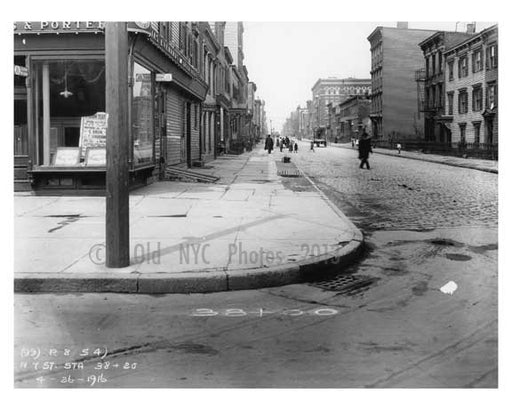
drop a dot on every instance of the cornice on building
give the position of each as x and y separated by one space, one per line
372 36
475 37
380 30
235 70
207 31
431 39
229 57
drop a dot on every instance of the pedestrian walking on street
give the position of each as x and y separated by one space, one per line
399 147
269 144
281 145
312 146
365 147
290 146
296 147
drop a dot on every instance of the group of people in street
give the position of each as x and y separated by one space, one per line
364 146
281 143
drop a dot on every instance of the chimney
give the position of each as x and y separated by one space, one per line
402 24
470 28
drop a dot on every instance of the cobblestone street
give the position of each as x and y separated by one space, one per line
402 194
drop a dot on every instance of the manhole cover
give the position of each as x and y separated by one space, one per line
346 284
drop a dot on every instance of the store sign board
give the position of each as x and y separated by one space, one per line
96 157
67 157
21 71
93 131
169 49
142 78
164 77
57 26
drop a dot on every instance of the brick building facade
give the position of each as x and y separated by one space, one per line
351 116
432 99
471 77
395 57
333 90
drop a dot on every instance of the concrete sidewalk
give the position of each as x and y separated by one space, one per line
251 229
471 163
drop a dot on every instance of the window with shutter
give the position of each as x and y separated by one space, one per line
477 98
450 103
494 56
491 96
450 71
463 66
463 102
477 61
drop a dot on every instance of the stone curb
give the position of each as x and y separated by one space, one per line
192 282
435 161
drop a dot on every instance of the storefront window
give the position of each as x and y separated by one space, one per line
142 116
66 91
20 108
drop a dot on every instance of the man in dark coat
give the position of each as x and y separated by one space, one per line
365 147
269 144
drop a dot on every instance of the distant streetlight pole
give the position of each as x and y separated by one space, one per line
117 221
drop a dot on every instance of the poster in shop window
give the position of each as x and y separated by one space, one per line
66 157
96 157
93 131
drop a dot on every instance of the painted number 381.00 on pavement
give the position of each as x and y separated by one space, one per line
260 312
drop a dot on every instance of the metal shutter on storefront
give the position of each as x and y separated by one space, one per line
174 126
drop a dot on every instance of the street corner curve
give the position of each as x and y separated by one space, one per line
333 261
297 272
265 277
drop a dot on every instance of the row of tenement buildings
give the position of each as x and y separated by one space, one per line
190 100
430 90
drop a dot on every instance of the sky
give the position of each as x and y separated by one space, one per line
285 59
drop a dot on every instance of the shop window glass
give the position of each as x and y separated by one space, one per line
20 110
142 116
65 91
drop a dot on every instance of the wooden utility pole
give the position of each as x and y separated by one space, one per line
118 148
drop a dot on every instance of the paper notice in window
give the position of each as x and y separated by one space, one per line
93 131
96 157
